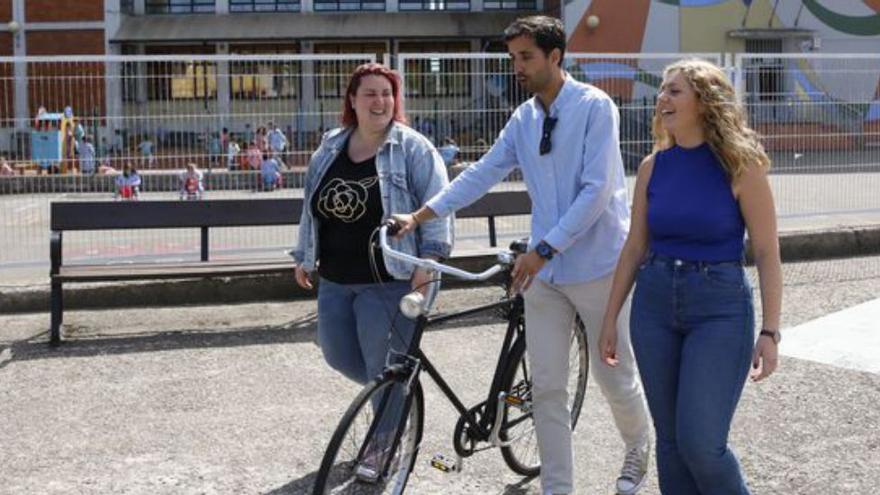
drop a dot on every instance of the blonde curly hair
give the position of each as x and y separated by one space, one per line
724 121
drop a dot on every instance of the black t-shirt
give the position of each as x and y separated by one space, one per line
348 207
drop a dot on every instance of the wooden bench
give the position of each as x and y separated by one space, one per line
204 215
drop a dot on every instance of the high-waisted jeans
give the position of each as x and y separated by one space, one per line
692 330
354 325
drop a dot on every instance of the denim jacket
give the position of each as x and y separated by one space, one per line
410 172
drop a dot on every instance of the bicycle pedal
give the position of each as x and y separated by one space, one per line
518 402
444 463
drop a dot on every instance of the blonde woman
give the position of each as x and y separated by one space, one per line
692 322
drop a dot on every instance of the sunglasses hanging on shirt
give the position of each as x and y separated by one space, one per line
546 132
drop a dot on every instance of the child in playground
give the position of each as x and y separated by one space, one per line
128 184
191 183
270 172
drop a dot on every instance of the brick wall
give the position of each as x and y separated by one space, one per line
54 86
64 10
5 10
89 42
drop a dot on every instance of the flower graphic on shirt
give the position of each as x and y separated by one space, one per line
345 200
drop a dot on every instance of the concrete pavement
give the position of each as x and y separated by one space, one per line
849 338
232 399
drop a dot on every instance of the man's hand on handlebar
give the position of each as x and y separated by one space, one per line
525 270
409 221
406 223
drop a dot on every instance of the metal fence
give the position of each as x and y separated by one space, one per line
468 97
820 120
819 114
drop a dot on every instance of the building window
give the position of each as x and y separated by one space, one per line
429 77
126 6
236 6
182 81
167 81
179 6
765 76
345 5
510 5
332 75
434 5
269 79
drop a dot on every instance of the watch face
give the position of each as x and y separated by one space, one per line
544 251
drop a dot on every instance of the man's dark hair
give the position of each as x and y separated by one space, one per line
547 32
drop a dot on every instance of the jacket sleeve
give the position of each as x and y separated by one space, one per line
305 230
428 175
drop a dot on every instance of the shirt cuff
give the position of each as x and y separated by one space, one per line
557 240
438 207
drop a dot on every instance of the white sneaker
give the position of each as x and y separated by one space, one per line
635 465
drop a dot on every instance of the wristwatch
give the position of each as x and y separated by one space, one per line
545 250
774 335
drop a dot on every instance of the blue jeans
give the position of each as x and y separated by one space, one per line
692 331
354 322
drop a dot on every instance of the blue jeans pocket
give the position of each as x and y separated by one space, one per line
725 276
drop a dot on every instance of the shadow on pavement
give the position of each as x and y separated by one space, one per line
293 332
305 485
300 486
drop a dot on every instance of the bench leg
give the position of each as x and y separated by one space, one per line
57 307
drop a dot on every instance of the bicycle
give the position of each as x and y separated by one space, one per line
376 443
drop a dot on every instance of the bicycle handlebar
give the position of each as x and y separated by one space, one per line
440 267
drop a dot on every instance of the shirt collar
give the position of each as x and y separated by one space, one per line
565 93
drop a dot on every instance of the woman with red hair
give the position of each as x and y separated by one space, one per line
372 166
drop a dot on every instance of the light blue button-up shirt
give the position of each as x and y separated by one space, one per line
578 191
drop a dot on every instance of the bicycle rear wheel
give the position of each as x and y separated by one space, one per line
521 453
366 437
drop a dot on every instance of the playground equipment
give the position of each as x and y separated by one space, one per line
52 140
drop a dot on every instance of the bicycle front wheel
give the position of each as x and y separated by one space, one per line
374 448
518 429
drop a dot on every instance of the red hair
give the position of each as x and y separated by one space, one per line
349 117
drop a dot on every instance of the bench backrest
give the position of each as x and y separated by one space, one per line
105 215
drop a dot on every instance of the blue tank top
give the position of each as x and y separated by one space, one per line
692 214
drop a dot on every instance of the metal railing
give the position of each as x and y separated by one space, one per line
468 97
819 115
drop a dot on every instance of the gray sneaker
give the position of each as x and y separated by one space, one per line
635 465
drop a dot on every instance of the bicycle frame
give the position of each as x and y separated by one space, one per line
513 310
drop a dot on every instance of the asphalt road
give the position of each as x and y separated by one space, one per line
237 399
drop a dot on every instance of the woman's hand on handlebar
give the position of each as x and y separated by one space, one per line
302 278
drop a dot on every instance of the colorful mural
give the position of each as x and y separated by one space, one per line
722 26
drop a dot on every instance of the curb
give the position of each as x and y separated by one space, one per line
794 247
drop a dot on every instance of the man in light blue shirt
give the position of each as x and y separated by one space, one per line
565 141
